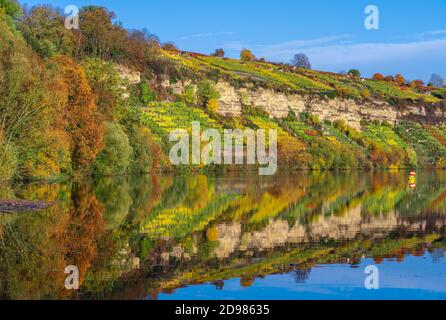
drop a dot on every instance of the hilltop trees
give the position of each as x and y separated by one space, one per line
169 46
416 84
300 60
355 73
96 32
43 28
436 81
399 80
218 53
247 55
378 76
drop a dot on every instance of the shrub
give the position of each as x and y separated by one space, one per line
365 93
207 92
189 95
115 158
212 105
341 125
145 94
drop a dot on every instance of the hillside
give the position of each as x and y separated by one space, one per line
286 78
103 101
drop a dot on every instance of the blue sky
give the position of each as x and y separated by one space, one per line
411 39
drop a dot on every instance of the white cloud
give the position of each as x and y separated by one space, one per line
375 54
417 57
207 35
284 48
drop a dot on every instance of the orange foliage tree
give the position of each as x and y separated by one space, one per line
399 80
378 76
81 119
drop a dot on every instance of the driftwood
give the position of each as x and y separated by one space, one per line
14 206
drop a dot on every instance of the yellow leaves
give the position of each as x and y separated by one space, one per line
212 105
212 234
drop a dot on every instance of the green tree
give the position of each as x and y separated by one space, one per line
146 95
146 153
354 73
108 87
115 157
207 92
43 28
11 9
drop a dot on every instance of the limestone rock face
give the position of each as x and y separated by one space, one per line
132 76
279 104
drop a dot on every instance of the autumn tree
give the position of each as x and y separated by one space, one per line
169 46
301 60
83 122
416 84
399 80
139 47
31 98
96 32
378 76
247 55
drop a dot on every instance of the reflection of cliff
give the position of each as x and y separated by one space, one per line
334 228
161 233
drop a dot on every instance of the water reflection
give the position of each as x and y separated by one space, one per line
140 237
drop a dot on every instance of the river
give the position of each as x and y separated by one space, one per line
232 236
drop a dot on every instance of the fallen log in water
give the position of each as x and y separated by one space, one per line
14 206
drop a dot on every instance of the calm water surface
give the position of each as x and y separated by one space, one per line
303 236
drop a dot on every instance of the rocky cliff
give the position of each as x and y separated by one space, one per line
279 104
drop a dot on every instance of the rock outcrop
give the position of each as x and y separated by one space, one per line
279 104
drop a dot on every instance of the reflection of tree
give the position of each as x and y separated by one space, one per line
114 194
301 275
86 225
437 255
219 284
32 252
